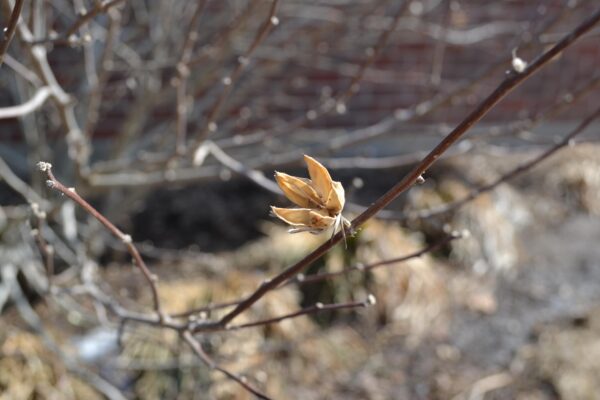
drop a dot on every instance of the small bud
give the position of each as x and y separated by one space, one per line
50 183
402 114
371 300
311 115
420 180
183 70
568 98
340 108
225 174
274 21
300 277
212 127
127 239
518 64
358 182
319 305
226 80
44 166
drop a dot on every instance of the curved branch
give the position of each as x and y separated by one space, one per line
10 29
29 106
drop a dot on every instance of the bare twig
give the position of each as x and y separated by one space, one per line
84 17
98 83
189 338
78 147
339 102
317 308
228 81
151 279
183 72
18 185
566 141
254 175
304 280
44 247
8 32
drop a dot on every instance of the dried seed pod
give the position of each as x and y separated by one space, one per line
320 198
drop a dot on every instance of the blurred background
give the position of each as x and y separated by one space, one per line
170 117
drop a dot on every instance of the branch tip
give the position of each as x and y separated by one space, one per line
44 166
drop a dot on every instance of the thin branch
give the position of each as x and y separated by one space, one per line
19 186
151 279
69 36
183 73
338 103
524 167
228 81
304 280
254 175
317 308
199 351
8 32
78 146
46 250
29 106
513 80
98 83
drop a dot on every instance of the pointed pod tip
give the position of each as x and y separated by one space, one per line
309 158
